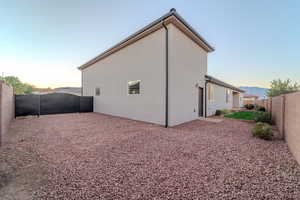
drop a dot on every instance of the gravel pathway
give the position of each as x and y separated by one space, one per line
95 156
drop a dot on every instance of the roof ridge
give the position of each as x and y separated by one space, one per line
222 83
172 12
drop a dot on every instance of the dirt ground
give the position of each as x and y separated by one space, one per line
95 156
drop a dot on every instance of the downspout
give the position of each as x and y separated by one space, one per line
206 82
81 83
167 77
205 98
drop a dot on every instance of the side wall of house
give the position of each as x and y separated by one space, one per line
219 99
241 100
187 69
143 60
6 108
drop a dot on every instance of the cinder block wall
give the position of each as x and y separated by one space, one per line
249 102
277 113
7 108
286 115
292 123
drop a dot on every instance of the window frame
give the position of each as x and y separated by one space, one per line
211 94
128 85
96 91
227 95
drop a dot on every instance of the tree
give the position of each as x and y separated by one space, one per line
20 88
279 87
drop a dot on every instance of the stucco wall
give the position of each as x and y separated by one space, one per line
143 60
6 108
187 67
236 100
219 101
241 100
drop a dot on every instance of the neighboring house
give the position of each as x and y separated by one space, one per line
221 95
156 75
250 99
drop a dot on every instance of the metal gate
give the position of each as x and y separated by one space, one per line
54 103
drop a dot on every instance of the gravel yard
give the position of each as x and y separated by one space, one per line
95 156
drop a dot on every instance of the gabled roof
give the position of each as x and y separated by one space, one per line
221 83
171 17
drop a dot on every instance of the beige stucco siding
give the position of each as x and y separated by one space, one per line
219 100
187 67
143 60
241 94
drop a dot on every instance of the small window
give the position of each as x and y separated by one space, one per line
97 91
210 92
134 87
227 95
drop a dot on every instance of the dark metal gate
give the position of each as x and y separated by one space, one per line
54 103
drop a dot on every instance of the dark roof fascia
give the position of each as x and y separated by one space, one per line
221 83
159 20
193 31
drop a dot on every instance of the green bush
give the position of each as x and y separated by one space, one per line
249 106
264 117
218 112
260 108
222 112
263 131
225 111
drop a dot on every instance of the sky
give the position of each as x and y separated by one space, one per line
43 42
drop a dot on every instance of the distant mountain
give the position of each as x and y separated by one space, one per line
261 92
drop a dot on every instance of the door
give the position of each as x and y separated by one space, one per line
200 102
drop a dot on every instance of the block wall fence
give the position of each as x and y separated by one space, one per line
285 111
7 108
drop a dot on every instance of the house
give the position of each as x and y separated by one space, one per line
221 95
158 75
250 99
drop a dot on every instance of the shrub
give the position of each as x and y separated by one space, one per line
222 112
249 106
264 117
260 108
225 111
218 112
263 131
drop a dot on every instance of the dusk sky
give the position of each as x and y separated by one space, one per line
44 41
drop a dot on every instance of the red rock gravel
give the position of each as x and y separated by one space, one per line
94 156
